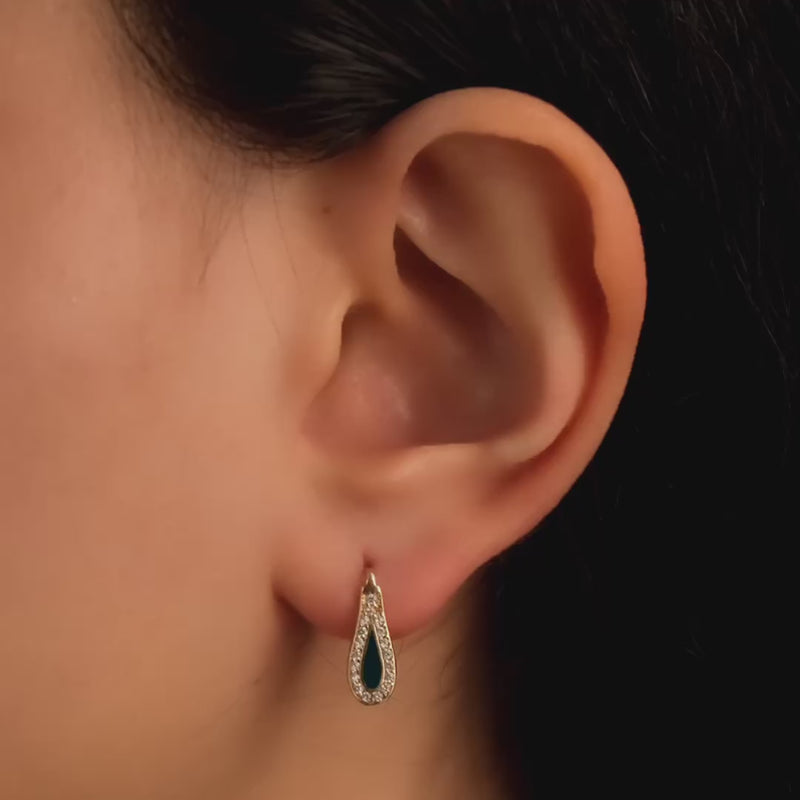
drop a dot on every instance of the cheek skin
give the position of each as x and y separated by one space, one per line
134 566
139 468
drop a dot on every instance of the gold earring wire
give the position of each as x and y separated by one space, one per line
371 666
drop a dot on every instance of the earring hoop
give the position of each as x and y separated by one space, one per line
372 672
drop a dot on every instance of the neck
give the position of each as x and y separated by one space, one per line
430 740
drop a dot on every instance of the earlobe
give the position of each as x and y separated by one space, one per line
480 370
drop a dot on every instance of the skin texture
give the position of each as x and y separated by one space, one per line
225 389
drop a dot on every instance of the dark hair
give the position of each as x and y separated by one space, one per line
655 651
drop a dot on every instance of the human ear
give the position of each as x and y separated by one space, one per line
489 294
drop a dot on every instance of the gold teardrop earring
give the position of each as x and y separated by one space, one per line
371 666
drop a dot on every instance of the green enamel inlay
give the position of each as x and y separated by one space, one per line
371 666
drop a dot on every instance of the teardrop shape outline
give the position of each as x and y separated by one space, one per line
371 616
